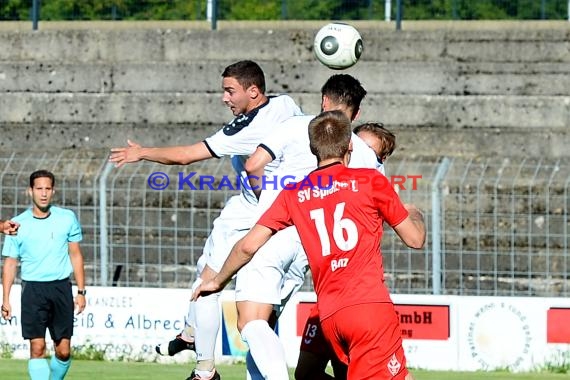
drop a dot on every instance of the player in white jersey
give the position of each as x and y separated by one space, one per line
260 284
255 115
380 139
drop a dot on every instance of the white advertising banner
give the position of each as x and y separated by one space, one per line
440 332
497 332
123 322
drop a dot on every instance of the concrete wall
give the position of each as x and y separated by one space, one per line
444 91
485 91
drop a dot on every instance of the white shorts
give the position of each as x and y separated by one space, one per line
235 220
262 279
294 279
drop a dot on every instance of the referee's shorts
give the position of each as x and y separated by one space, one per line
47 305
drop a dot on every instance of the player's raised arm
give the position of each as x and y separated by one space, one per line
170 155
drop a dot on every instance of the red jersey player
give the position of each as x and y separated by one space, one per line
315 353
339 213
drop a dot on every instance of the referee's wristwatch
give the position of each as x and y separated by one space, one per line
81 292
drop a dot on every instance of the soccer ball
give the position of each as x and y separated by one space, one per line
338 46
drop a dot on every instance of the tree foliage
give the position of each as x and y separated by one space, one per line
284 9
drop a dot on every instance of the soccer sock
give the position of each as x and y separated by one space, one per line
207 325
266 349
38 369
252 370
190 321
59 368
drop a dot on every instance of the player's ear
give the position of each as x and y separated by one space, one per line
325 103
356 115
346 158
253 91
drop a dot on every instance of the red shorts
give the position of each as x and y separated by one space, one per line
367 337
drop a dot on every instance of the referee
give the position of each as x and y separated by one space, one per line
47 247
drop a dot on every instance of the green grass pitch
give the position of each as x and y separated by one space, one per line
11 369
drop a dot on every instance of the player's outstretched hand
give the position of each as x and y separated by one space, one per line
9 227
206 288
130 153
6 311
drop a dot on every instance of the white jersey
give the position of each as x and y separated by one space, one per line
289 146
240 137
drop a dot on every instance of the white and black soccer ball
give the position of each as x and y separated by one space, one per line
338 45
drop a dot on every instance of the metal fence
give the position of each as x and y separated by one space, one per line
284 10
496 226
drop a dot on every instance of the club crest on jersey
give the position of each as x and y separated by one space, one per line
394 365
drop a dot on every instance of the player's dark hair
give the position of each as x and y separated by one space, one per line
41 174
387 138
247 73
344 89
329 135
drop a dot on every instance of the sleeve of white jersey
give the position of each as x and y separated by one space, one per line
275 143
220 144
246 140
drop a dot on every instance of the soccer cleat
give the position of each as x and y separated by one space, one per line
174 346
193 376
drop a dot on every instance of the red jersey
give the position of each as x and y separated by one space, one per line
339 212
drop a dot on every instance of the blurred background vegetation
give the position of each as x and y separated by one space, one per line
286 9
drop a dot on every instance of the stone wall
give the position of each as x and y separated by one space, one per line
482 95
443 90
